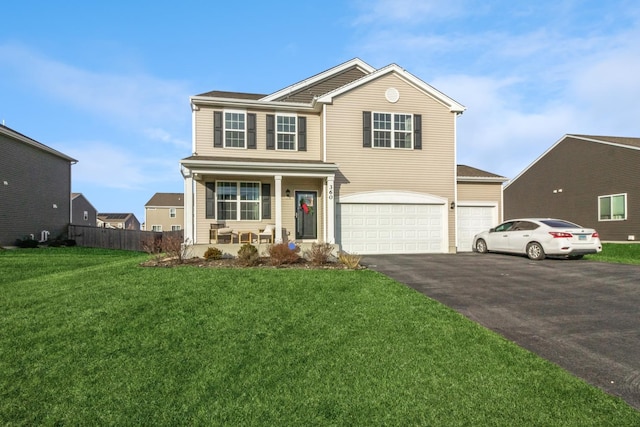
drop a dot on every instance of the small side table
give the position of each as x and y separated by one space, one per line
245 236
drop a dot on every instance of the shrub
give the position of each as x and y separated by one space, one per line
173 246
213 253
151 243
26 242
351 261
319 253
281 254
248 255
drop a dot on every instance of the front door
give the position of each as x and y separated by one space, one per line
306 215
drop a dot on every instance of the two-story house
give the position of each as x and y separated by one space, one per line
35 189
82 211
164 212
122 221
360 157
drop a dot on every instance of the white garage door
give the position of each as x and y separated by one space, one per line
391 228
471 221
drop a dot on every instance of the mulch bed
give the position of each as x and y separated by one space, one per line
235 263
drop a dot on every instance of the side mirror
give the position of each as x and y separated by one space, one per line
491 230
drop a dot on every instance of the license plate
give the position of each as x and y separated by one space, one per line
582 237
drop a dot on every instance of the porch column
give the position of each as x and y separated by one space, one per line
278 182
331 211
189 234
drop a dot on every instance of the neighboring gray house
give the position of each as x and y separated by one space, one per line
590 180
35 189
82 211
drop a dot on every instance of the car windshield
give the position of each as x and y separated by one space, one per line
556 223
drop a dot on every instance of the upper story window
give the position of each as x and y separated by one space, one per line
85 215
234 129
172 212
286 132
392 130
612 207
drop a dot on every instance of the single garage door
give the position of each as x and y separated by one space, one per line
379 228
471 221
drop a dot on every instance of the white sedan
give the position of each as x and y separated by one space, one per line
538 238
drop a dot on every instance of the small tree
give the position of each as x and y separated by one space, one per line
174 246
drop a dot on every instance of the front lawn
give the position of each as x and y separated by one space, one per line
87 337
622 253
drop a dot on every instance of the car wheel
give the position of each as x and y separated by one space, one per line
481 246
535 251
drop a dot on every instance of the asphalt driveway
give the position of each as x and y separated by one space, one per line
581 315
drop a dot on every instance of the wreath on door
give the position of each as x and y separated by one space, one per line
306 206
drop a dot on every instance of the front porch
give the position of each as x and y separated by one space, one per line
244 196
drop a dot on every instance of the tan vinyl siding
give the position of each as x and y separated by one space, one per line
204 138
430 170
160 216
481 192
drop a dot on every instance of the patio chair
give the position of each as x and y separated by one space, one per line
223 234
267 233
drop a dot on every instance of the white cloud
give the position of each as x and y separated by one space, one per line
135 101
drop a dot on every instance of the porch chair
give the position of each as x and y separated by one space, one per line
223 234
267 233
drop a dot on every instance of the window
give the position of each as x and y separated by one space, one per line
172 212
238 201
176 228
392 130
286 132
234 129
156 228
85 215
612 207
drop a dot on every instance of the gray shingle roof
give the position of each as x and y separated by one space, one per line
166 199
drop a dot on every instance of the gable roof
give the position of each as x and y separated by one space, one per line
468 173
353 69
115 217
616 141
76 195
32 142
166 200
323 87
402 73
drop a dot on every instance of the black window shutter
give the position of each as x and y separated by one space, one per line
251 130
366 128
302 134
210 211
266 201
217 128
271 129
417 131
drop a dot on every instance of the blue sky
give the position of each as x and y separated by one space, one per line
109 83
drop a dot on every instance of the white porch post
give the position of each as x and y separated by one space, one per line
189 235
278 182
331 211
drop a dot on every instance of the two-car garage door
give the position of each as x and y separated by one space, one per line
387 228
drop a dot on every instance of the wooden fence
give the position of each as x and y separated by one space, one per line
109 238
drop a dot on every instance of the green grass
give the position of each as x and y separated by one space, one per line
621 253
89 338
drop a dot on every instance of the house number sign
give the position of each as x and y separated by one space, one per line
330 191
